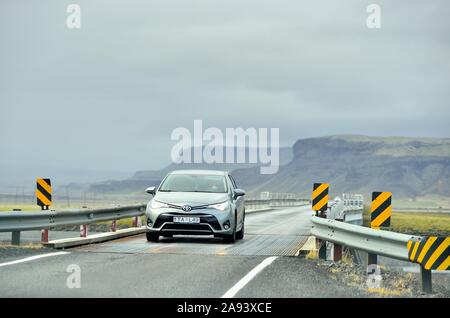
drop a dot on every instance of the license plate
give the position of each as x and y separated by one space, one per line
186 219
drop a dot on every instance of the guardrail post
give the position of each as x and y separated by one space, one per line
426 280
44 232
372 259
113 226
44 236
337 249
15 238
337 252
322 249
323 244
137 221
83 230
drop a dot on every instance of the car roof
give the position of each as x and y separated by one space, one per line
203 172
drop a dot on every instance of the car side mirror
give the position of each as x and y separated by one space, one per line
238 193
151 190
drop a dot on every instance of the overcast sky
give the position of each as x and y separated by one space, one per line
106 97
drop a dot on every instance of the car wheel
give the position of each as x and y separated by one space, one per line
231 238
240 234
152 237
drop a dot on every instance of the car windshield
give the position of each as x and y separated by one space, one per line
194 183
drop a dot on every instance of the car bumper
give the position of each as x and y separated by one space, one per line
211 223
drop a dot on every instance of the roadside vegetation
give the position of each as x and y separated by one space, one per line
418 223
23 207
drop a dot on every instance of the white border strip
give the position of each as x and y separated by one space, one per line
247 278
32 258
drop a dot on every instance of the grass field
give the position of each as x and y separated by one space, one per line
423 223
24 207
422 203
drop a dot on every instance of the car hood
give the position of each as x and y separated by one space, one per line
190 198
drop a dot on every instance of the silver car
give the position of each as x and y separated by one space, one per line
196 202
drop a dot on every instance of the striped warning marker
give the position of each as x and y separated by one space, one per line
319 196
43 192
431 252
381 210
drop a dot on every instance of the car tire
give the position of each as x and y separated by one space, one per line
231 238
152 237
240 234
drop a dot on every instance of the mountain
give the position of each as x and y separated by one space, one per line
408 167
142 179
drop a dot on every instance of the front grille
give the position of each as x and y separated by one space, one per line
180 207
204 219
187 227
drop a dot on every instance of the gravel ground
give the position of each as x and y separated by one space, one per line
393 283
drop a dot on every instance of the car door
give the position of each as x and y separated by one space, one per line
239 202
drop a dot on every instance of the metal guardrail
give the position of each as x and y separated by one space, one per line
374 242
379 242
27 221
271 203
17 222
38 220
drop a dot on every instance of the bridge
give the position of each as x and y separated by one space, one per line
268 262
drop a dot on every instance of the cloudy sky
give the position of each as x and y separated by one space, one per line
106 97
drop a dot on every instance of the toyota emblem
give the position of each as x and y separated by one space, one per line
187 208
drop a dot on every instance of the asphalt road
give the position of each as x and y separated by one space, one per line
261 265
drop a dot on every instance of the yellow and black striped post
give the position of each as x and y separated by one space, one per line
44 193
381 210
319 201
432 253
319 197
44 200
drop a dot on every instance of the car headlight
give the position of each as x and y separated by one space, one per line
220 206
158 205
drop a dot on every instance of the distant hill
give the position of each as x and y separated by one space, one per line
142 179
409 167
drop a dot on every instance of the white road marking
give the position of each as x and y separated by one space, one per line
32 258
247 278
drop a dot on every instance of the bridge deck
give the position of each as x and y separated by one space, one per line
278 232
